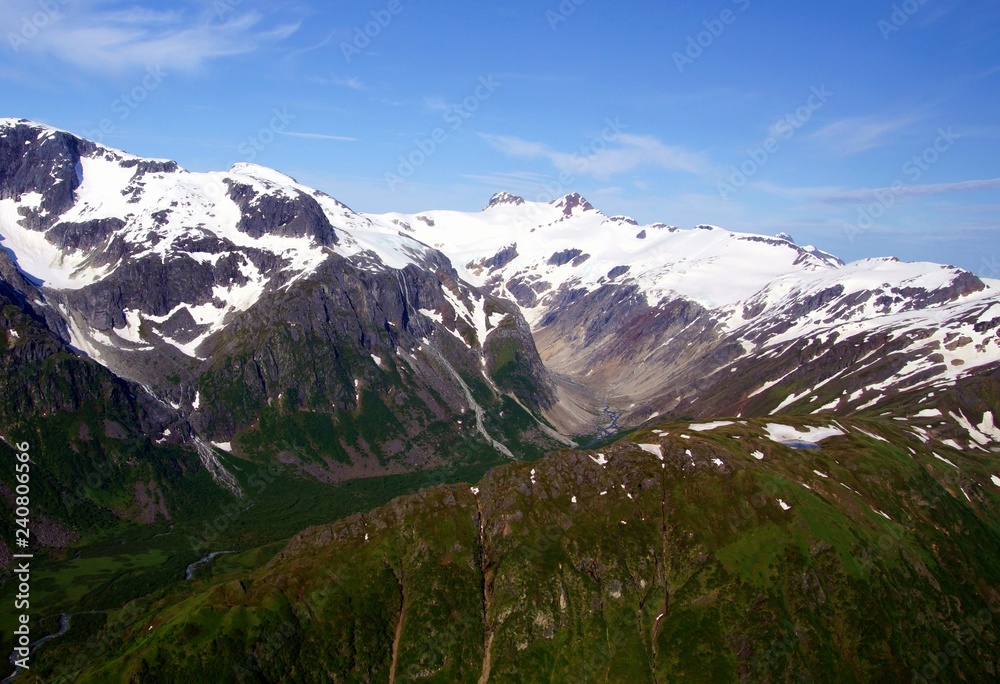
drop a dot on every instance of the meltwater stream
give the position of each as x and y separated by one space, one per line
64 624
189 572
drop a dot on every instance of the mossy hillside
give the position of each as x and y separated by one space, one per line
346 625
830 590
88 432
513 425
510 364
312 436
123 562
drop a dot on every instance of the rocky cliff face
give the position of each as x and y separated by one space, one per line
93 437
245 310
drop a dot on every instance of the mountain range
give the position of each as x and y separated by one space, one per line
169 336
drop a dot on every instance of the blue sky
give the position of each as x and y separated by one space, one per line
866 128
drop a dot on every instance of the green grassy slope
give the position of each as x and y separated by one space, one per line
884 564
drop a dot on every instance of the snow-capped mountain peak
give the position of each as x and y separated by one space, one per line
708 298
573 204
141 253
77 215
261 173
504 198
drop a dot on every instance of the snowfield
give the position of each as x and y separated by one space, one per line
786 433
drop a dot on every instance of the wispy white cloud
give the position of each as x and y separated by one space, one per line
604 159
436 105
936 12
926 190
514 181
987 73
855 135
140 16
835 195
311 48
318 136
538 78
112 37
352 82
796 193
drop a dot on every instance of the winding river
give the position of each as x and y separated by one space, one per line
64 624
